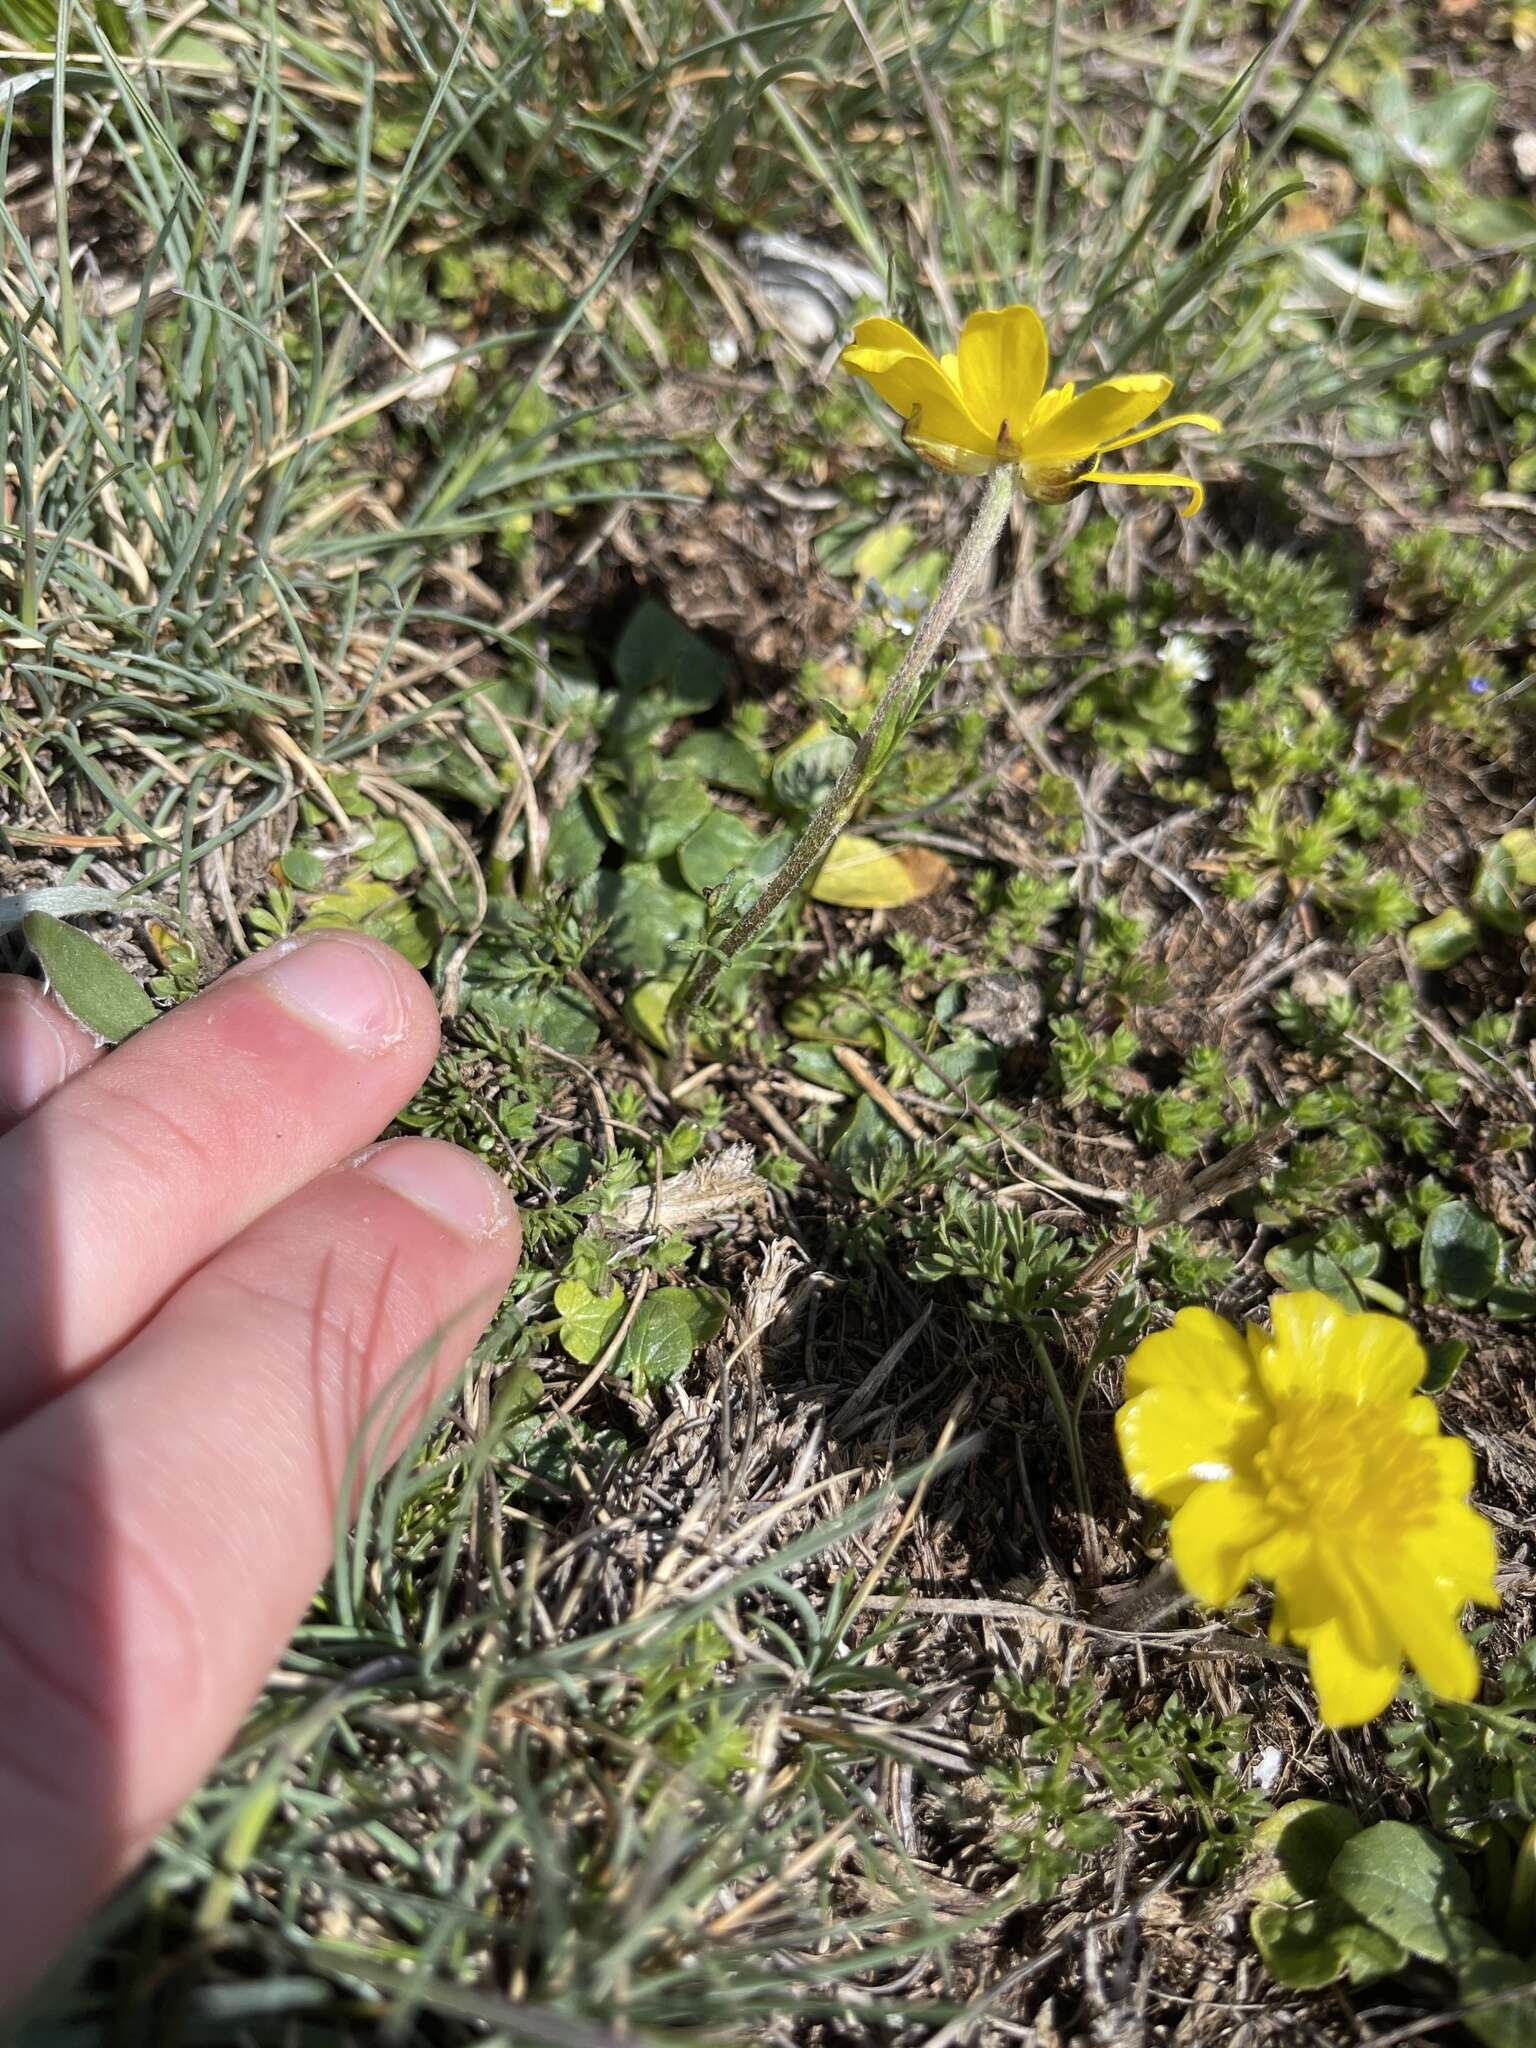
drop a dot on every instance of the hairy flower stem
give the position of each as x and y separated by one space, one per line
891 716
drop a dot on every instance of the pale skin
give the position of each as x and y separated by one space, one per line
205 1281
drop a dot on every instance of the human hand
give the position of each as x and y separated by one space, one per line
203 1288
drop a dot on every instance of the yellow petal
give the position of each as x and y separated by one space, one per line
1354 1652
1173 1440
1457 1554
1200 1350
889 335
910 379
1003 358
1082 428
1212 1539
1160 479
1179 419
1436 1647
1192 1413
1350 1688
1320 1348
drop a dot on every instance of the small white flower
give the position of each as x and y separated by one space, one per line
724 351
1184 660
433 359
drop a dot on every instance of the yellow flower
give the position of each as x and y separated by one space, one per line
1305 1457
987 405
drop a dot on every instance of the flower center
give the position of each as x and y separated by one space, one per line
1353 1473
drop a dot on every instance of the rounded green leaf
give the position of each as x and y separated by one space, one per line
1445 1359
655 818
575 844
665 671
1439 942
1411 1886
645 1012
722 759
1305 1947
587 1320
1459 1254
1499 1992
647 917
721 844
1496 889
1303 1838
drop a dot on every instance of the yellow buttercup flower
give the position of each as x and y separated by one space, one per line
1305 1456
987 405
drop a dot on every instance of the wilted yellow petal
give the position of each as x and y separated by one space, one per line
1153 479
1178 419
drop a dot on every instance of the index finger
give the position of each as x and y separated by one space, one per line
140 1168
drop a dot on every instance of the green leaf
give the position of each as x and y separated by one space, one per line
722 843
1520 845
1508 2020
1307 1946
575 844
1304 1263
1404 1882
517 1401
645 1012
1445 1361
647 917
391 855
559 1017
303 869
832 1020
588 1320
722 759
653 819
1513 1301
1443 133
564 1164
84 977
361 904
1439 942
1492 223
664 672
1496 890
804 772
1303 1838
1459 1254
658 1347
881 553
670 1325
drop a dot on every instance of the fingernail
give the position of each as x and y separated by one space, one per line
337 983
34 1059
452 1185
